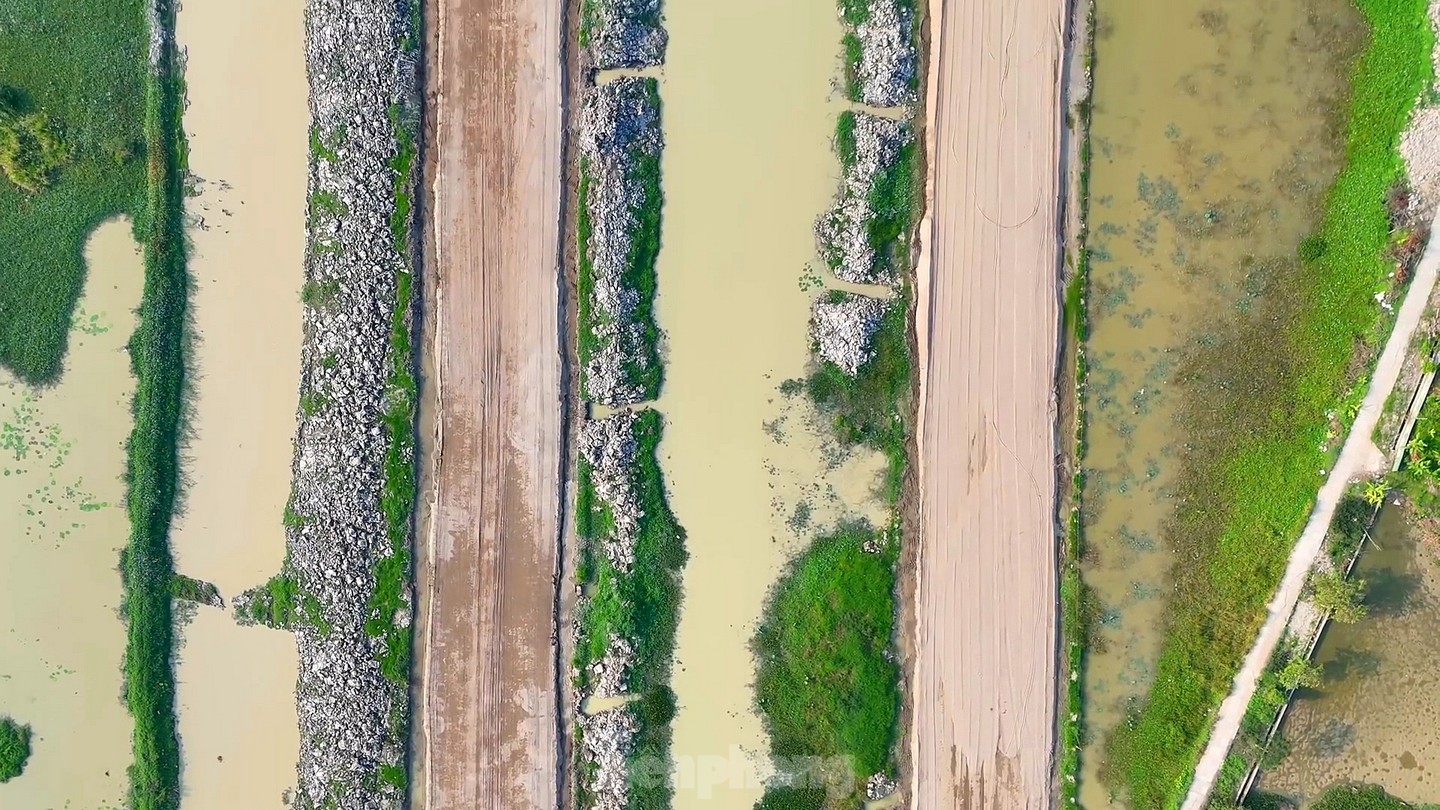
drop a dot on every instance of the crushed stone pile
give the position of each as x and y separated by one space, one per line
610 446
843 326
886 75
624 33
620 128
843 232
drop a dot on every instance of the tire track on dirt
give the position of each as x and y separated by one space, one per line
490 719
988 289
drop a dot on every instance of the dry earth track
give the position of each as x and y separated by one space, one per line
488 712
987 329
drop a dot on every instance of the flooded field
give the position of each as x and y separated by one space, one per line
62 503
1214 139
1376 718
747 168
246 123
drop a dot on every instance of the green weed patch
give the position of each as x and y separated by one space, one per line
826 685
1243 506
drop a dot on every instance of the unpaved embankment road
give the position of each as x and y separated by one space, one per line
987 320
1357 457
489 557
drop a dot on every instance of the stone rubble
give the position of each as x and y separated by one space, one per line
843 231
888 58
624 33
878 787
620 125
610 446
347 707
610 676
843 326
608 741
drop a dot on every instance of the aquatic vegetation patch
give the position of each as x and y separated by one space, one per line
827 683
1363 797
1244 500
80 66
619 232
625 623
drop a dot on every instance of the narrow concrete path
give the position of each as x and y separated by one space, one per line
1356 458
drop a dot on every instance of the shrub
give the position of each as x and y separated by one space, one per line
14 748
30 150
1300 672
1340 596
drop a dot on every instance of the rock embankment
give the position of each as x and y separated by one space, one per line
886 74
620 143
352 717
843 326
610 447
845 232
623 33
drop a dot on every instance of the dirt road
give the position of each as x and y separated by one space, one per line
987 320
1357 457
488 562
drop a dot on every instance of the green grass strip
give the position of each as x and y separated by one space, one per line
157 358
397 499
1076 602
825 685
1262 490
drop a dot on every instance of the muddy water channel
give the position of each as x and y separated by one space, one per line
246 123
62 506
1214 139
749 110
1376 717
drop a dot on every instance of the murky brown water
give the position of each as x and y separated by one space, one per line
62 506
247 124
748 115
1376 719
1211 152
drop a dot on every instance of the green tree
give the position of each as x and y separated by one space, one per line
14 748
1300 672
1343 598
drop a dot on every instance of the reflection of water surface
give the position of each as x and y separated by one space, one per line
1377 717
1212 146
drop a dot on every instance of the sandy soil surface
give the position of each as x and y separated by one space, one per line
1358 457
489 553
987 320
